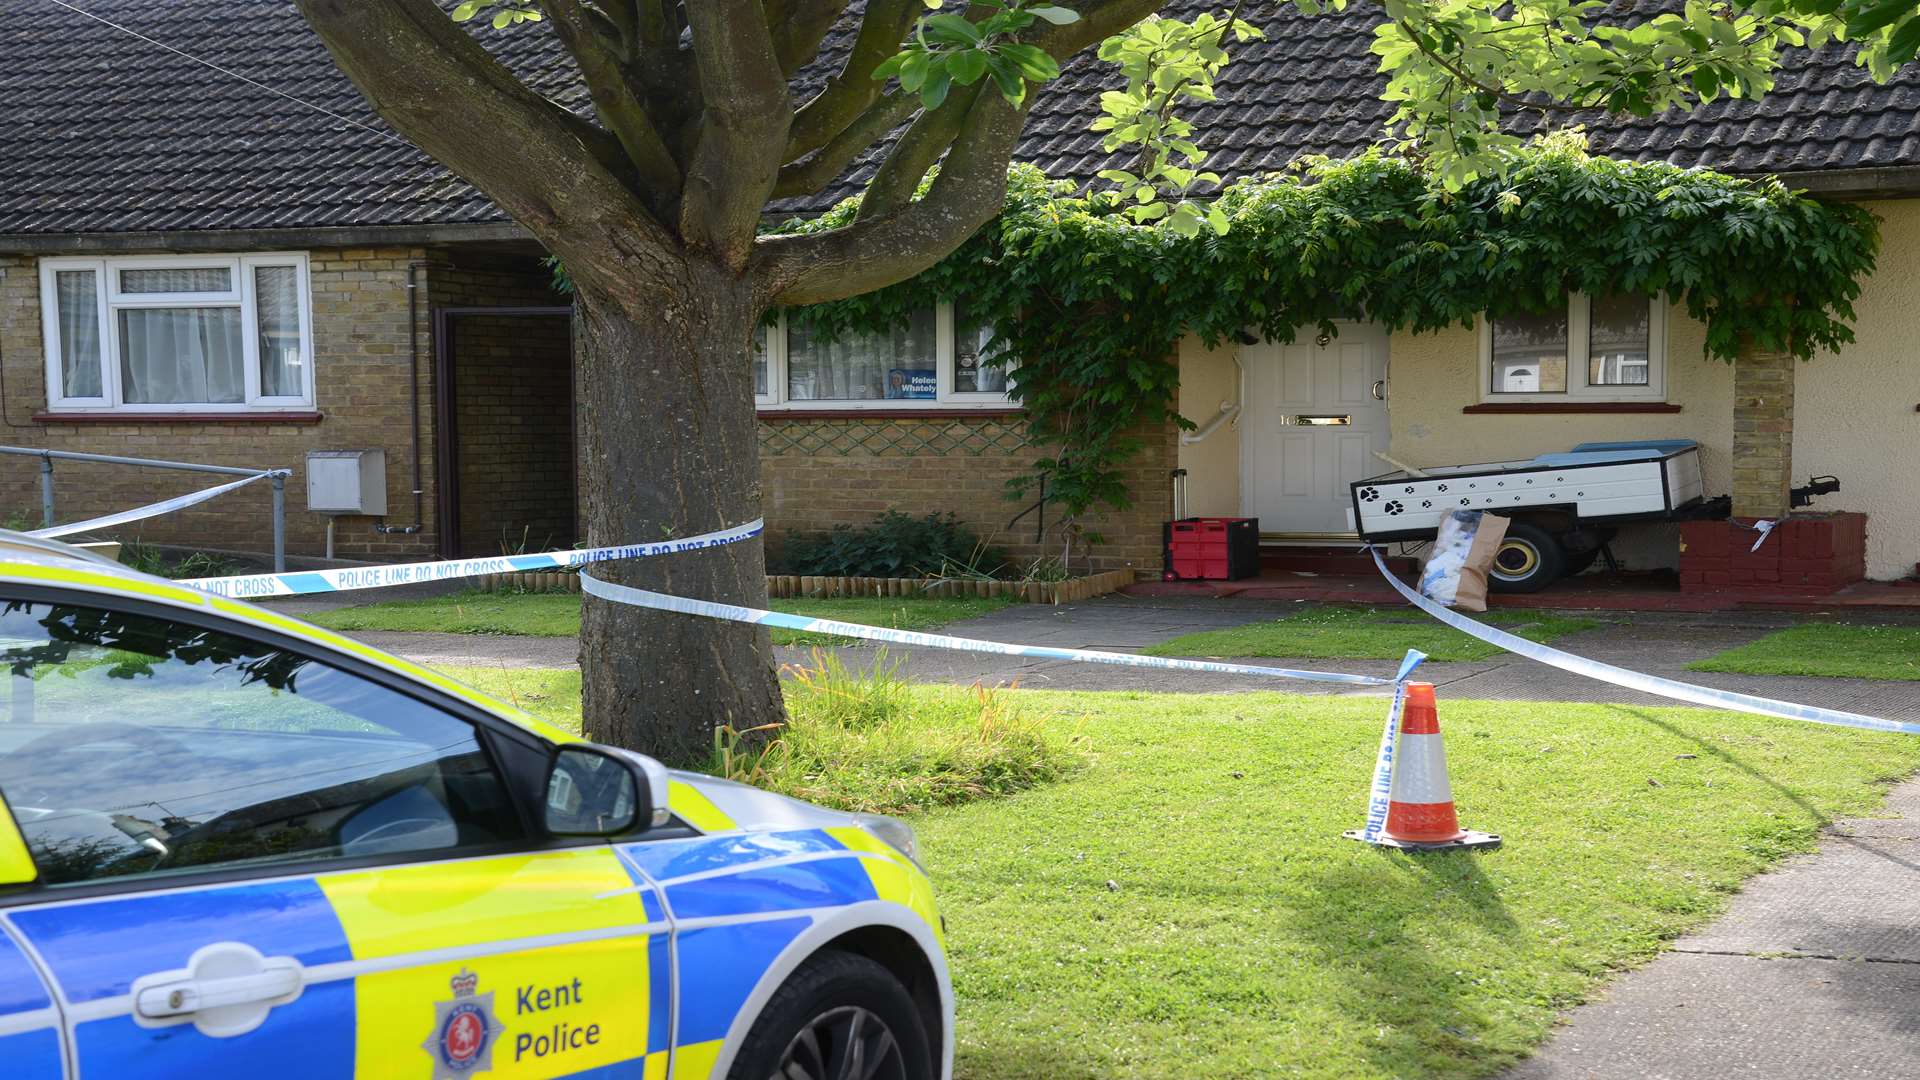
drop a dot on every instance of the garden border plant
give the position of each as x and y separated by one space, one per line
1092 305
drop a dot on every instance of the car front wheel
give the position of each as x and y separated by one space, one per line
840 1016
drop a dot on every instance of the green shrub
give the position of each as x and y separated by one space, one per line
161 562
874 742
895 545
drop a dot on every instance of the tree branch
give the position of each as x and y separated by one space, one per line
742 130
916 151
614 100
852 90
875 252
825 165
1544 107
437 86
798 27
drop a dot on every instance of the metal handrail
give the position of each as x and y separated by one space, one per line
278 477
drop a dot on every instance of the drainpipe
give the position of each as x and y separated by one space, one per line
414 267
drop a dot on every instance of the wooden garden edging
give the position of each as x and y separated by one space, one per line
1033 592
1069 591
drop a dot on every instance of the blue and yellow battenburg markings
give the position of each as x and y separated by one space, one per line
94 948
734 887
551 953
556 963
29 1027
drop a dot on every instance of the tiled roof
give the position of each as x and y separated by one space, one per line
102 132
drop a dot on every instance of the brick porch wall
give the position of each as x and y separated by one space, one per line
513 387
817 473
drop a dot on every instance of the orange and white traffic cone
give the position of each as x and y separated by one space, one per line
1420 813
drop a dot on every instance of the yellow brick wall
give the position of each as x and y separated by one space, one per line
818 473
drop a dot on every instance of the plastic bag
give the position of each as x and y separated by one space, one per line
1456 572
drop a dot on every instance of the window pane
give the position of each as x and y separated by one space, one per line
970 338
760 339
1530 354
1618 343
77 294
135 745
896 364
189 279
277 291
181 356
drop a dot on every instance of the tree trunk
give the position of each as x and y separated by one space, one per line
670 448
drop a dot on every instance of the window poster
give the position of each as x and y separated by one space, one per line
912 383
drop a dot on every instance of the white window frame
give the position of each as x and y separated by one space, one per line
241 295
946 397
1579 351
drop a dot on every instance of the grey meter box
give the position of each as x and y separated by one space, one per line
347 482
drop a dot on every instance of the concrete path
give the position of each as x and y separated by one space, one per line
1655 642
1813 973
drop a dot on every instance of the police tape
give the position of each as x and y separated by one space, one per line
1380 790
307 583
310 582
141 513
626 594
1634 680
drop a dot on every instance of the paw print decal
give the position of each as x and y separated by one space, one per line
1369 495
1393 508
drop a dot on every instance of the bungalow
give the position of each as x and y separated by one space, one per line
216 252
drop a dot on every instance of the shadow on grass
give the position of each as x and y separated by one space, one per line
1376 924
1813 813
1720 754
1023 1058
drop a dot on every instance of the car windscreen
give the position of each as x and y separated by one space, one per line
135 743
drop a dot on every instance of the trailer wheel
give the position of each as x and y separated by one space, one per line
1528 560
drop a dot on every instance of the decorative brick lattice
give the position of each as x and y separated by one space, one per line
882 437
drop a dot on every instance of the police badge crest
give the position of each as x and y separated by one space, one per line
464 1030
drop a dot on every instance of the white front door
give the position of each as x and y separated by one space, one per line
1314 417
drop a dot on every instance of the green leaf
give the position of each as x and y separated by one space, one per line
1905 41
1876 16
914 70
1032 61
1058 16
951 30
934 91
967 66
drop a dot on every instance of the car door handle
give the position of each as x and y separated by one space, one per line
226 989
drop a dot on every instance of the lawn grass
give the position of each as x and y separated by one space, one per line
867 741
1355 633
1827 649
1185 906
558 614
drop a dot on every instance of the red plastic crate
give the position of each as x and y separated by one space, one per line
1217 549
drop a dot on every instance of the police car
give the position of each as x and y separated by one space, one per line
235 845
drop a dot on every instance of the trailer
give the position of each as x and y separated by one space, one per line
1564 507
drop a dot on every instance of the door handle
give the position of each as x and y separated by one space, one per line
226 989
1379 389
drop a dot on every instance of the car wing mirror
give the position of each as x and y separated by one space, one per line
597 790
